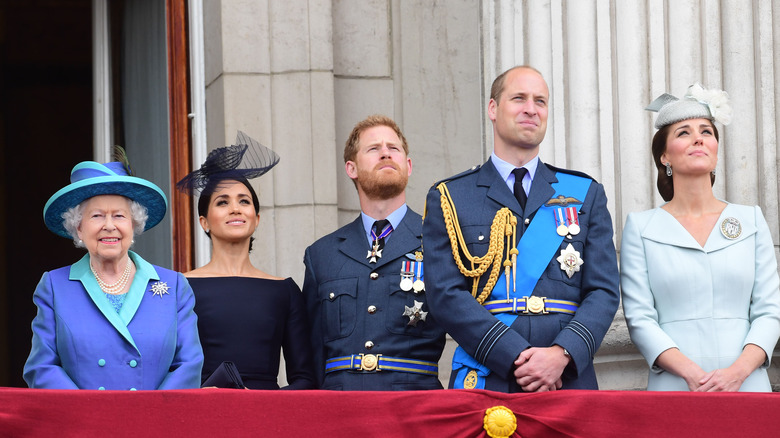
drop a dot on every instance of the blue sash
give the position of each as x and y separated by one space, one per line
535 250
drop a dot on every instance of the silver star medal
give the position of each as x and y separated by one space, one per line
570 260
374 253
160 288
415 313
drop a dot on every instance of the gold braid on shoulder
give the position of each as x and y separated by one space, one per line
502 230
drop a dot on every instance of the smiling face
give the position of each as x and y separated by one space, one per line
231 212
381 168
519 111
106 227
691 147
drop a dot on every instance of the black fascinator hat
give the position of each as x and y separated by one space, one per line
244 160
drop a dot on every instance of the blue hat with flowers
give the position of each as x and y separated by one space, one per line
88 179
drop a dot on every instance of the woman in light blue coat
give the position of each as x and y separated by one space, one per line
111 320
698 275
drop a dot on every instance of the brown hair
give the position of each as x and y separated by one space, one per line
664 183
351 148
498 83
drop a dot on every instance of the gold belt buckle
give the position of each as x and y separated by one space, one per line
535 305
369 362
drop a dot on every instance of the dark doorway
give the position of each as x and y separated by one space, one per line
45 128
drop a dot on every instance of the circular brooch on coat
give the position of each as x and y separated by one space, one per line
731 228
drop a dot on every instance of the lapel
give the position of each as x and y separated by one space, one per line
354 243
402 240
80 271
497 190
664 228
541 188
145 272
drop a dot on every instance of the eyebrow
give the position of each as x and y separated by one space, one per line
240 195
708 125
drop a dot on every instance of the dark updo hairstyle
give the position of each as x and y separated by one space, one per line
664 183
213 185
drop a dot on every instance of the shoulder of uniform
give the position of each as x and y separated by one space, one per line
474 169
570 172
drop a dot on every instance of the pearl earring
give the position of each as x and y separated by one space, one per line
668 169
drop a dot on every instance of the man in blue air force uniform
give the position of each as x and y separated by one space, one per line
534 286
365 286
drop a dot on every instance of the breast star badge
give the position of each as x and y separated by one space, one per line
160 288
415 313
570 260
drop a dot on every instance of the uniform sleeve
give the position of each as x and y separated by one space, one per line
765 299
599 286
478 332
296 345
188 361
638 303
314 314
43 368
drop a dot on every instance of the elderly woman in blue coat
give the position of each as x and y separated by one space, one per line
111 320
698 274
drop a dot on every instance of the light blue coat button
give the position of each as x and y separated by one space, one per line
133 389
102 388
133 363
102 362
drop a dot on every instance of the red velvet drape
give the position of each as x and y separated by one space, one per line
444 413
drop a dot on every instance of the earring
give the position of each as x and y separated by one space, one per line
713 172
668 169
81 242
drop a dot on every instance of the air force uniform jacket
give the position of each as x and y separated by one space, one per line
357 313
491 343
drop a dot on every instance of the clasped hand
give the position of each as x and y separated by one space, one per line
540 369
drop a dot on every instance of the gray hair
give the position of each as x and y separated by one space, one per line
71 220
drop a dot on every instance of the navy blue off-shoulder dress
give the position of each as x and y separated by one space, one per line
249 321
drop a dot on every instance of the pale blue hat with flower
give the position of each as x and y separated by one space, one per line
698 103
89 179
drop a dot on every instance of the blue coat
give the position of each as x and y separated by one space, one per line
478 194
342 324
80 341
709 302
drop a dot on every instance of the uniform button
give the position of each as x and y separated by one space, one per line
102 388
369 345
102 362
133 389
374 275
371 309
527 221
332 296
133 363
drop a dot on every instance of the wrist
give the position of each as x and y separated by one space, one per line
565 353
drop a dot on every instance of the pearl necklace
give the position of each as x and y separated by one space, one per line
119 286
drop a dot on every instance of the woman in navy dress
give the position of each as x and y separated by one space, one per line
245 315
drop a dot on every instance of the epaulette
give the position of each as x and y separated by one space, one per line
570 172
459 175
436 184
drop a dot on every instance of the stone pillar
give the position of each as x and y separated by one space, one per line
269 73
